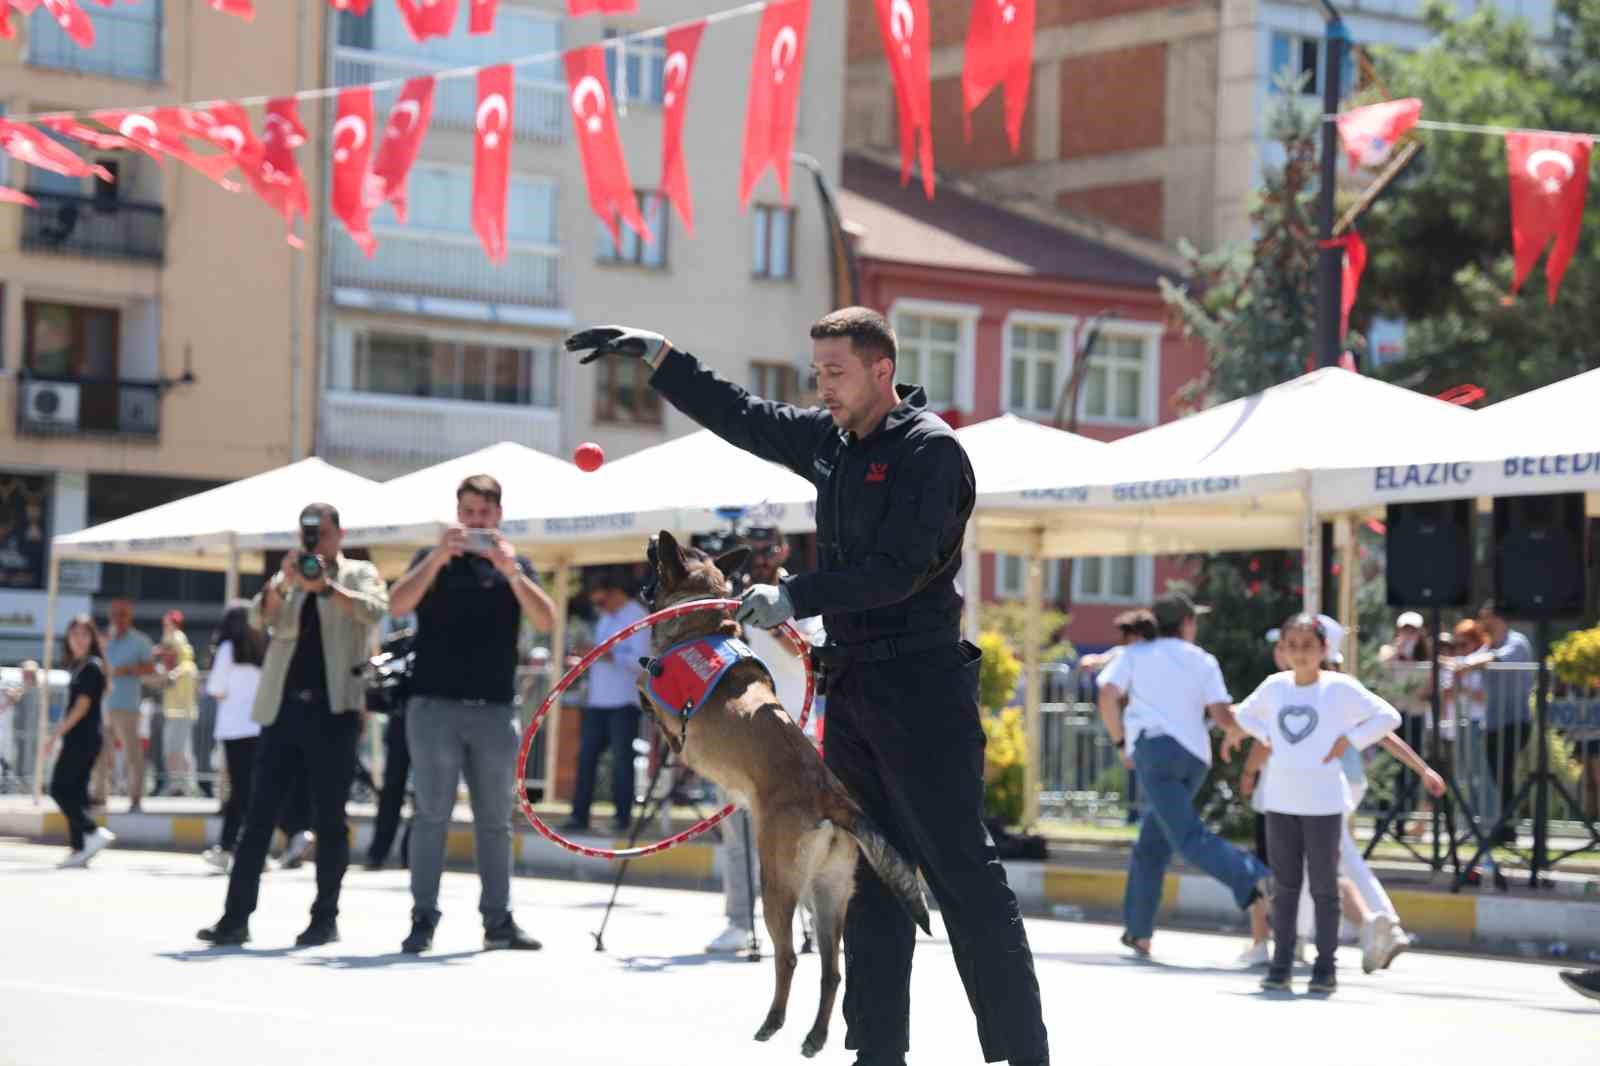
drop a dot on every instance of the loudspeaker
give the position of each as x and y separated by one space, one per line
1539 555
1429 548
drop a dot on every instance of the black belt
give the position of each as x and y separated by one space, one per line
877 651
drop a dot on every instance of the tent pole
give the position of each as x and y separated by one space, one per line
558 666
1310 557
41 719
230 586
1031 670
1349 592
971 581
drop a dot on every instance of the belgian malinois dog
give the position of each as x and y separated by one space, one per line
808 829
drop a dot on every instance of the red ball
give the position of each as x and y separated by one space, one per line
588 456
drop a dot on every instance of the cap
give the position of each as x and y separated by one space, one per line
1174 607
1333 634
1409 619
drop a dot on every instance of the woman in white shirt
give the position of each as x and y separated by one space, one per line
1310 718
235 674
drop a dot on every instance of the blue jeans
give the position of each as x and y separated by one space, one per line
1171 776
614 728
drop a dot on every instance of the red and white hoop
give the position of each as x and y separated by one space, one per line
797 644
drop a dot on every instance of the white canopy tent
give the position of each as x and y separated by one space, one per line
219 529
1539 442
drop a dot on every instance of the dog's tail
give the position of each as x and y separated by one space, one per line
887 863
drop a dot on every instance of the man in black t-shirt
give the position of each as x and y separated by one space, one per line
469 595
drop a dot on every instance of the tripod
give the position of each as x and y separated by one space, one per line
648 811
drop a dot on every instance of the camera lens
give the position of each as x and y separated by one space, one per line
310 567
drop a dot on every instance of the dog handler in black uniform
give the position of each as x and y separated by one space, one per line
894 491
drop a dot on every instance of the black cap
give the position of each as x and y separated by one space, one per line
1171 609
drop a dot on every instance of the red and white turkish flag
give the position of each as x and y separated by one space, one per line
604 169
1370 133
999 52
71 127
480 17
227 126
681 46
72 19
602 7
16 196
27 6
428 18
1354 263
7 30
402 140
282 185
776 74
1549 182
163 132
37 149
355 7
491 160
907 42
245 9
352 151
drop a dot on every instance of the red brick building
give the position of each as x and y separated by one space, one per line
991 304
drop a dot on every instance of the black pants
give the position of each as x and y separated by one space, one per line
1501 747
1298 843
295 815
241 756
616 728
325 743
905 738
69 786
396 768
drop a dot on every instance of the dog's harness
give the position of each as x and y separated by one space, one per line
681 679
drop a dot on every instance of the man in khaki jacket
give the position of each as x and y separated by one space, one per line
318 611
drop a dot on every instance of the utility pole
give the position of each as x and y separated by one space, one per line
1330 261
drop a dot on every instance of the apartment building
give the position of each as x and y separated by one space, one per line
150 325
432 351
1148 114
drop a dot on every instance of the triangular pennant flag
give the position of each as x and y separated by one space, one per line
352 149
1370 133
402 140
999 52
907 43
681 47
776 73
491 159
1549 175
593 119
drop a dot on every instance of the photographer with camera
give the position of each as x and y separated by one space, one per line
318 611
469 594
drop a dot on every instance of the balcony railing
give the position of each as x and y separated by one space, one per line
127 44
391 435
82 225
539 111
65 406
448 266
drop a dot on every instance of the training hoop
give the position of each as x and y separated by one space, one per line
797 644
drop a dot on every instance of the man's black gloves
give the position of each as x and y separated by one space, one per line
618 340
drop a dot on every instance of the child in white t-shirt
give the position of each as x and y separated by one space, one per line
1309 717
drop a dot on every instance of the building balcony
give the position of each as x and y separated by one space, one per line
65 406
381 435
539 111
85 225
427 273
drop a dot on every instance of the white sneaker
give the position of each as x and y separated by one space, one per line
95 842
1258 953
218 858
732 938
1372 934
73 861
1300 952
1396 942
299 844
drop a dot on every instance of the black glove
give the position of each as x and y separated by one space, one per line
617 340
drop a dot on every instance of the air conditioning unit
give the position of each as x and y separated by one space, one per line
50 403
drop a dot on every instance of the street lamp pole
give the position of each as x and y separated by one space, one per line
1330 260
843 270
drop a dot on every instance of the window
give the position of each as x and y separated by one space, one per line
397 364
930 355
1011 577
775 381
1112 579
633 251
519 30
772 242
624 393
1035 368
441 201
127 42
66 341
644 66
1119 380
1301 58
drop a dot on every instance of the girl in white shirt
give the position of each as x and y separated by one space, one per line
235 675
1309 717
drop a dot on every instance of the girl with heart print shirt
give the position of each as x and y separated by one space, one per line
1309 717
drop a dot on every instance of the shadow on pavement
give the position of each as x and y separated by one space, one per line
229 952
372 962
659 963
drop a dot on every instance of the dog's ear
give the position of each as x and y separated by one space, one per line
731 562
670 563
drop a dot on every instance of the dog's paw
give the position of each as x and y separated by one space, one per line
773 1023
813 1044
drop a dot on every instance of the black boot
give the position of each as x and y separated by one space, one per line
320 931
224 935
507 934
421 937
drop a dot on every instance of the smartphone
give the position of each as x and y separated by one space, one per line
480 541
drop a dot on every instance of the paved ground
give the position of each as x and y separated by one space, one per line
101 966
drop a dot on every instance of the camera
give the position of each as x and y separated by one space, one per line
388 674
310 564
480 541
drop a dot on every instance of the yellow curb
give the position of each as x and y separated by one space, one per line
54 825
691 860
1434 912
1098 888
189 832
459 845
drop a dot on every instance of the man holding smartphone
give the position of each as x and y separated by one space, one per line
469 595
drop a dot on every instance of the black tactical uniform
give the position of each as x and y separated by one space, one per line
903 731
